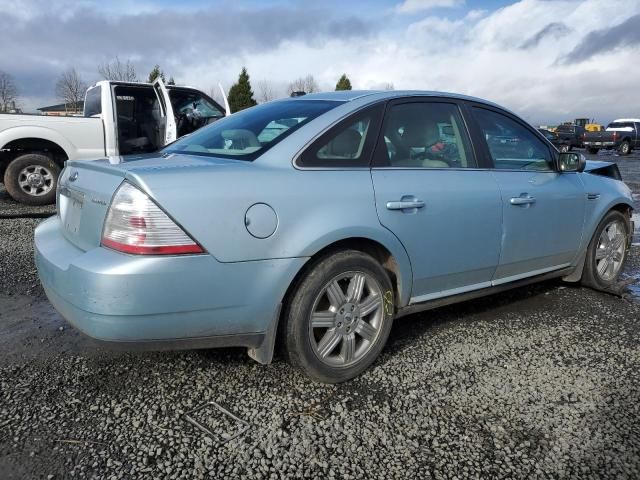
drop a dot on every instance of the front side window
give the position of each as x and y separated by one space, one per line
425 135
511 145
247 134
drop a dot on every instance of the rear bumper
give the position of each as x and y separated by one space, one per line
180 301
605 145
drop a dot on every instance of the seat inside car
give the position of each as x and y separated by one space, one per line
413 143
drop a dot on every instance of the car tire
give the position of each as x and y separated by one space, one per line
593 151
339 316
32 178
625 148
564 148
601 254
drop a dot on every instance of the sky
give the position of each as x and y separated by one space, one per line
547 60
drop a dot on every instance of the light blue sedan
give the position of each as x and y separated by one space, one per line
316 221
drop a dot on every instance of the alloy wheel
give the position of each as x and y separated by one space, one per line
346 319
610 250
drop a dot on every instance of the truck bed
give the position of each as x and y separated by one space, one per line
82 138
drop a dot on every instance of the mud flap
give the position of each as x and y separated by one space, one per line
264 353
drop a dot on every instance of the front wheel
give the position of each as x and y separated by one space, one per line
607 252
564 148
31 179
339 317
625 148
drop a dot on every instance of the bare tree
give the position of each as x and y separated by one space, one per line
8 92
388 86
306 84
70 88
117 70
265 91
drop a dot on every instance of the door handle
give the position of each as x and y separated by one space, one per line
405 204
523 200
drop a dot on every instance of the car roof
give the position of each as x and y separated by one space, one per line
375 95
626 120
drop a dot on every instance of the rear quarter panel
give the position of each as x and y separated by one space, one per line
314 209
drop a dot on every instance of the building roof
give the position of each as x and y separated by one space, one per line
63 107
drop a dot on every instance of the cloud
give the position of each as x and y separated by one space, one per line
82 36
624 34
553 30
413 6
478 53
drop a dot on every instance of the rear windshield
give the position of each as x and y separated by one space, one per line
248 134
621 125
93 102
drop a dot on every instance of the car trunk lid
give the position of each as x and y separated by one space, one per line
86 188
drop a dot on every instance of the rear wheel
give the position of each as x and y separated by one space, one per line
339 317
625 148
607 252
592 151
31 179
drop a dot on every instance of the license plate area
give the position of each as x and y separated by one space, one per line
70 208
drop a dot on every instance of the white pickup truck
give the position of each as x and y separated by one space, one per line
120 118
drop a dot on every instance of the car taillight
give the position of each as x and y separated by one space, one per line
135 224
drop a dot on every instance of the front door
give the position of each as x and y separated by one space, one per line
543 209
167 125
431 194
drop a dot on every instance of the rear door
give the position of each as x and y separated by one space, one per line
433 195
542 209
167 127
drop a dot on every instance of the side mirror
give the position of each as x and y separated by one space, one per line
572 162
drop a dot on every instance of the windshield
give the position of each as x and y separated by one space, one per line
184 101
247 134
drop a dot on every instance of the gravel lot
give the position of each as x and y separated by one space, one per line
542 382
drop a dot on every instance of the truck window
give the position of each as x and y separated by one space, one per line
193 110
93 102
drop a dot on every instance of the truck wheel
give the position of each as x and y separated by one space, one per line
31 179
593 151
625 148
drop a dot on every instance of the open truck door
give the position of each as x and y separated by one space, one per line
227 109
169 130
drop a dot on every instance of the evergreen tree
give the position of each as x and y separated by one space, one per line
171 81
155 73
240 96
344 83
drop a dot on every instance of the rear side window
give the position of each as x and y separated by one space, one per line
348 144
93 102
512 146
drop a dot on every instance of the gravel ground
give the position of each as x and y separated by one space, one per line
10 208
539 382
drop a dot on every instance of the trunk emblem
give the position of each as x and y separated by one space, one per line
73 177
